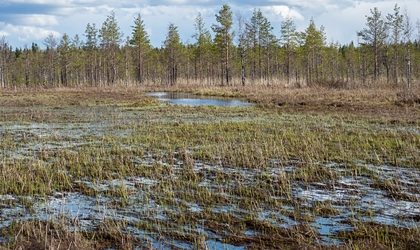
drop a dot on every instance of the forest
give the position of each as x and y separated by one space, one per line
232 51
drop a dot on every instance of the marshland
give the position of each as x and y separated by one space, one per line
252 136
119 168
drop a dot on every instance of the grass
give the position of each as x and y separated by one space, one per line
388 103
219 169
369 236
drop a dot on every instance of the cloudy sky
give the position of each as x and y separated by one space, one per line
25 21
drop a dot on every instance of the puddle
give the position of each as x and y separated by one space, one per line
327 227
216 245
187 99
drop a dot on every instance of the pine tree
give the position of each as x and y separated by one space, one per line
173 48
289 39
260 38
223 40
91 46
91 34
78 61
202 47
64 54
110 38
375 35
395 21
313 45
351 61
51 53
100 58
141 42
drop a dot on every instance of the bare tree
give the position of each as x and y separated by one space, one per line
3 51
241 47
407 34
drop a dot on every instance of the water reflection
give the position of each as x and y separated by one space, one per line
188 99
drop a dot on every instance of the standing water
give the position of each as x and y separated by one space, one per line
187 99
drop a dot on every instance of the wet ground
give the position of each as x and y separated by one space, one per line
196 191
351 198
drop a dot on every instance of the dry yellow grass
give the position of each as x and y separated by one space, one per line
382 101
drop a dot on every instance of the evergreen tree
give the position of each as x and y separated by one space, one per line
78 62
51 53
375 35
260 38
100 58
140 41
202 47
64 54
91 45
223 40
350 57
395 21
173 48
110 38
91 34
314 42
290 40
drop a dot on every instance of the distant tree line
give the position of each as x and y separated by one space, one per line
386 52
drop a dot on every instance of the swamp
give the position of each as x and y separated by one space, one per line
209 125
180 169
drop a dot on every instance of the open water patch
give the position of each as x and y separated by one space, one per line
187 99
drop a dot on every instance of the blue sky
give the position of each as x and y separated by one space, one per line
25 21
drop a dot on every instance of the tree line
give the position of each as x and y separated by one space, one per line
250 55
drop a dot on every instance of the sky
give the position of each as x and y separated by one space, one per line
25 21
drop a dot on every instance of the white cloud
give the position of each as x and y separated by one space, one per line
37 20
26 33
4 34
283 11
54 2
176 12
308 5
343 24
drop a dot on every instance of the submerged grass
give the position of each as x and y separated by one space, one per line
205 172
